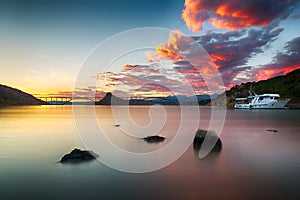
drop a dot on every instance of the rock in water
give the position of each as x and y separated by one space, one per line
210 135
154 139
272 130
78 155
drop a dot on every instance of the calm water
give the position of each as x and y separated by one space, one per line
253 164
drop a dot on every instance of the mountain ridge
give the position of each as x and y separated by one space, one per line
14 97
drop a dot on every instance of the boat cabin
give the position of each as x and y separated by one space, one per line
261 101
265 98
241 101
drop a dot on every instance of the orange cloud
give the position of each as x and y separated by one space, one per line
217 58
131 67
269 73
193 15
170 50
149 69
234 14
196 81
82 93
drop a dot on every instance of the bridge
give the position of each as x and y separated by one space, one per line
64 100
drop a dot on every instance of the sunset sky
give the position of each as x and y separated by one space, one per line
44 43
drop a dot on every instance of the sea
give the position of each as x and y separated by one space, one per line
260 157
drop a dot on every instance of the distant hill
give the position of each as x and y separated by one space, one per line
182 99
111 99
12 96
286 86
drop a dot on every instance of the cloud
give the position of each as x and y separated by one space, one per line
297 16
291 56
243 44
283 62
141 68
168 82
227 50
235 48
233 14
41 55
132 68
180 48
230 50
80 93
63 94
190 60
132 81
153 88
196 81
173 50
185 67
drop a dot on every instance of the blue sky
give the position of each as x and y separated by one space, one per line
43 43
52 38
66 23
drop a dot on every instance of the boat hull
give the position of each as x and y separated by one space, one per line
242 106
270 105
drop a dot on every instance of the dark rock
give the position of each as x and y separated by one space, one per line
110 99
78 155
211 136
154 139
272 130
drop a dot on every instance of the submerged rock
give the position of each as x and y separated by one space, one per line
272 130
211 136
78 155
154 139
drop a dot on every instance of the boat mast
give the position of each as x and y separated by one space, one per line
251 91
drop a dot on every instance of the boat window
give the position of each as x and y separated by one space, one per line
261 98
276 98
271 97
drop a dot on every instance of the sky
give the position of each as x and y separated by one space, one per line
43 44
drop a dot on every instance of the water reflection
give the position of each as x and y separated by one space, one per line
253 162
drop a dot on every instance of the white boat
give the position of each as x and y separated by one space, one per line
261 101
